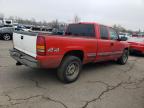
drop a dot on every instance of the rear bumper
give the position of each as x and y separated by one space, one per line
23 58
45 62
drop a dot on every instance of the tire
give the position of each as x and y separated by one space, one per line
124 58
7 37
69 69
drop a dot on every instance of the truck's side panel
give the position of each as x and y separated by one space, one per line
66 44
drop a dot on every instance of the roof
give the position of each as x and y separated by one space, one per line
91 23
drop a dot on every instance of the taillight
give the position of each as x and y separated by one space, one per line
41 46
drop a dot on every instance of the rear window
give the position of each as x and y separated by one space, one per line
84 30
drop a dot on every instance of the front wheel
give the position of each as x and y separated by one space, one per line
69 69
124 58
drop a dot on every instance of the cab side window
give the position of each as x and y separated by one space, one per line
104 32
113 34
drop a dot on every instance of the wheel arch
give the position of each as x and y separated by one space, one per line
77 53
126 48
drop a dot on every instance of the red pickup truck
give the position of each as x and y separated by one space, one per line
82 43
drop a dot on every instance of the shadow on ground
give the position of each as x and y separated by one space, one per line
44 75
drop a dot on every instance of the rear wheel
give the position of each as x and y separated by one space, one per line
69 69
6 37
124 58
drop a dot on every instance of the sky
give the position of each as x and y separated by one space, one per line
128 13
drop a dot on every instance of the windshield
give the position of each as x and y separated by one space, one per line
85 30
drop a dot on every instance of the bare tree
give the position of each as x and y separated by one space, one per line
119 28
76 19
11 18
55 24
33 21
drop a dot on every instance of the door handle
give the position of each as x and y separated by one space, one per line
112 44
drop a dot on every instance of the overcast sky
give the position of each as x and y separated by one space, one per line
128 13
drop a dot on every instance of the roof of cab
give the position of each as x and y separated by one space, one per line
91 23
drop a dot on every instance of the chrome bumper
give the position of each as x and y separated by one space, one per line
23 58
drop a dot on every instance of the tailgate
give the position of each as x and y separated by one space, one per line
25 42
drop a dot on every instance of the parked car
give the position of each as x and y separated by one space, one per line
136 45
126 35
41 29
6 32
138 35
6 22
21 28
58 31
82 43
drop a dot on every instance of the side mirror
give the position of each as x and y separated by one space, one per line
123 39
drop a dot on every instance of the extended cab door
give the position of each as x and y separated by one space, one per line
117 46
104 44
